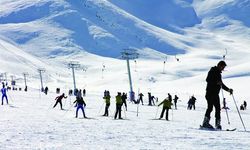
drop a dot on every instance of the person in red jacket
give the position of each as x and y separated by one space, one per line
59 100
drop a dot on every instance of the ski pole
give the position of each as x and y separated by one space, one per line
172 114
67 110
156 112
101 108
225 106
125 112
137 111
10 98
239 112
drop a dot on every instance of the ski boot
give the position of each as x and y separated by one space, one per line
217 124
206 124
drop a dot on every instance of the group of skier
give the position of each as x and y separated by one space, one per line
214 85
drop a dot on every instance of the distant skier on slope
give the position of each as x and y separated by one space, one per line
140 98
4 94
191 102
214 84
46 90
59 100
245 105
124 100
107 101
175 101
166 106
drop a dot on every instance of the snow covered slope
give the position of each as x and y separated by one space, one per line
50 34
96 26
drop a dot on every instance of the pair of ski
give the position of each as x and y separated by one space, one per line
214 129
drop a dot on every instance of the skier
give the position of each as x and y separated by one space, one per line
214 84
149 99
192 101
189 104
245 105
70 92
4 94
84 92
175 101
57 90
242 107
118 105
124 98
152 100
166 106
26 89
80 105
140 98
107 101
59 100
46 90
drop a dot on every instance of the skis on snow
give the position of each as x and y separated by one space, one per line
213 129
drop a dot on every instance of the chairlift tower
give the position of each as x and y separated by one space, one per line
5 74
41 70
12 81
1 77
74 65
128 54
25 74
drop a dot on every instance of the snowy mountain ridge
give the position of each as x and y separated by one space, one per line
57 32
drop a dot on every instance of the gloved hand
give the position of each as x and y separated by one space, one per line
230 91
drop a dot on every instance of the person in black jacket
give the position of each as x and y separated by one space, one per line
124 100
175 101
140 98
214 84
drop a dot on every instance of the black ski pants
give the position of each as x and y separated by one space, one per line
106 113
162 112
118 111
57 103
213 100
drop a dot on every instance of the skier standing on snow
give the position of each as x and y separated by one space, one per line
124 100
140 98
80 105
107 101
4 94
175 101
46 90
214 84
59 100
166 106
150 99
245 105
84 92
118 105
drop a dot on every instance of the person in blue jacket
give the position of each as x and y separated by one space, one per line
4 94
80 105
